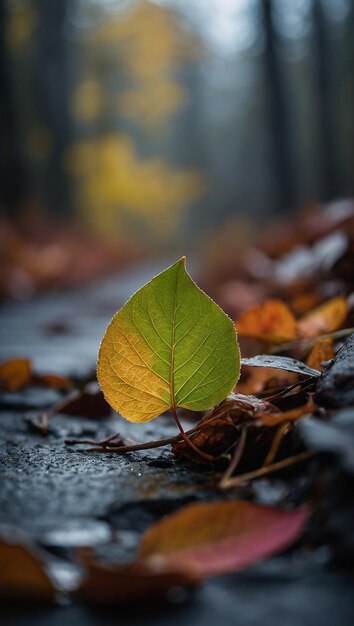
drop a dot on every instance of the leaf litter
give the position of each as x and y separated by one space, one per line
294 423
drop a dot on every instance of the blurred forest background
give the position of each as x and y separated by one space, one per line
155 125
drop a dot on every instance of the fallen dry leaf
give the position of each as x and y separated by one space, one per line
324 319
322 350
133 582
220 537
219 429
22 574
303 302
88 403
15 374
54 381
271 322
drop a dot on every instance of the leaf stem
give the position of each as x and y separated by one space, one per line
188 441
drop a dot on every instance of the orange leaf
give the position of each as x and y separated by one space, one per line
269 419
322 350
324 319
22 573
272 322
15 374
301 303
219 537
52 380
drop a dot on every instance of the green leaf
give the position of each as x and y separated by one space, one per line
170 345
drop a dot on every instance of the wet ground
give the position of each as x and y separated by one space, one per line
63 496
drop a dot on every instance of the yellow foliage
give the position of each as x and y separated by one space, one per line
150 45
114 183
149 27
151 103
22 20
87 100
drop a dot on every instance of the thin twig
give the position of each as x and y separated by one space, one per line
42 422
238 452
102 442
285 390
137 446
236 481
127 448
277 439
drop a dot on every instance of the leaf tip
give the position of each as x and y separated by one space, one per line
182 261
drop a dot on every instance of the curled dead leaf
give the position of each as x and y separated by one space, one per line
220 429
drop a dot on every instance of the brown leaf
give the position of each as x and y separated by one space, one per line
272 322
89 403
133 582
322 350
220 537
326 318
15 374
22 574
54 381
219 429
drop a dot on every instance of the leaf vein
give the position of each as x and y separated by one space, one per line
149 393
147 343
200 383
139 355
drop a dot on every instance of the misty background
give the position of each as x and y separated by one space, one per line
161 121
